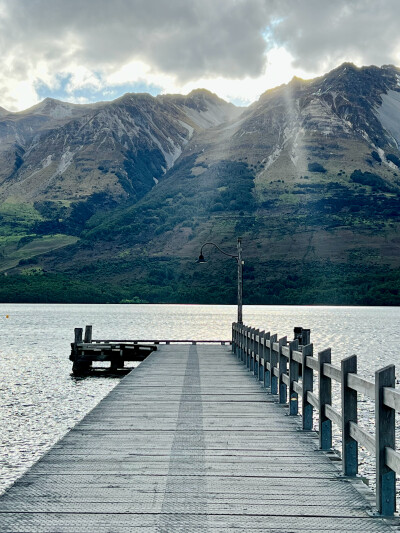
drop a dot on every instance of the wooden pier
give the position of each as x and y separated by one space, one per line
85 351
190 441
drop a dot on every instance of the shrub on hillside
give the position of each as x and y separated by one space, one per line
368 178
376 156
394 159
316 167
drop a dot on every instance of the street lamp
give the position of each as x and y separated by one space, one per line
240 263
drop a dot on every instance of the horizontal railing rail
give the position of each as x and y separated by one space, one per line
288 368
160 341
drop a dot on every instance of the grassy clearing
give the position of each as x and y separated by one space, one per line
12 252
17 219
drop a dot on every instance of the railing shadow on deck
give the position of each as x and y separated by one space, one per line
287 369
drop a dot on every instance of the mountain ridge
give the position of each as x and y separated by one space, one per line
309 176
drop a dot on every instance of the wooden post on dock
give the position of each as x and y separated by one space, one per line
234 338
88 334
325 398
77 340
262 368
273 358
308 385
293 377
252 347
349 414
305 336
240 347
78 335
282 388
384 437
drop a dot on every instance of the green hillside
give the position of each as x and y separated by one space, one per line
309 177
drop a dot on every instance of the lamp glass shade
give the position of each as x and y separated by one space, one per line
201 259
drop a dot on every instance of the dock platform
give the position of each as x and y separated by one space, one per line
188 441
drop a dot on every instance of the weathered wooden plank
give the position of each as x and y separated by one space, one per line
361 385
361 436
332 372
312 362
391 398
392 459
333 415
313 399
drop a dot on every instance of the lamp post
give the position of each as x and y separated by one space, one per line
240 263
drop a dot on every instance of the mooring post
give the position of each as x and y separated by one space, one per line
77 340
325 398
384 437
308 385
293 376
78 335
305 336
88 335
349 414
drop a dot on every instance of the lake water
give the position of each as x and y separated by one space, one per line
40 400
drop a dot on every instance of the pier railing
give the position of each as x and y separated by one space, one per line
288 369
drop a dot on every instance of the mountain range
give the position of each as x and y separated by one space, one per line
111 201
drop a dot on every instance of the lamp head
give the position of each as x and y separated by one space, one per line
201 259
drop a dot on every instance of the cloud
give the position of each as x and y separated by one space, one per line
94 39
320 34
237 45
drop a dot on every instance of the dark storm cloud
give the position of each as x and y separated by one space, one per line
187 38
87 41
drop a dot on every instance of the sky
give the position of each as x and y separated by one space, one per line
83 51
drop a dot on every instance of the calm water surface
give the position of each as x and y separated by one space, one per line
40 400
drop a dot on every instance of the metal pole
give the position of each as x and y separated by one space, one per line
240 280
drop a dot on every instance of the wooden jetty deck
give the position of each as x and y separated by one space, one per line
188 441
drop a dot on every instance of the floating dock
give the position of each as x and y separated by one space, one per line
189 441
